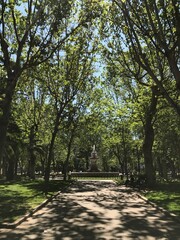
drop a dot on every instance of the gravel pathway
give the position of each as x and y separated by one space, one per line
96 210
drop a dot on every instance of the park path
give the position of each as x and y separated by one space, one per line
93 210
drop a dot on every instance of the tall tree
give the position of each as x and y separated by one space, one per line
151 27
28 108
68 78
167 140
30 33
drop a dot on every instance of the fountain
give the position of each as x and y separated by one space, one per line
93 160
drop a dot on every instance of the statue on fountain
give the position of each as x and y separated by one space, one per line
93 159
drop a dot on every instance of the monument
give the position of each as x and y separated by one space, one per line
93 159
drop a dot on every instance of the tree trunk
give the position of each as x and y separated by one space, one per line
164 165
31 167
118 154
149 139
160 167
68 155
32 156
49 159
174 67
43 160
16 167
6 109
173 170
147 149
50 152
125 159
10 170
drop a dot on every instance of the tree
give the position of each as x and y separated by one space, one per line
29 36
149 28
136 56
12 150
166 146
66 78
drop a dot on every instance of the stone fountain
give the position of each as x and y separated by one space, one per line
93 161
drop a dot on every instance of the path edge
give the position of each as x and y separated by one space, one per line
29 214
166 212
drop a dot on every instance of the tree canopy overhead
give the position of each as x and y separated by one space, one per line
79 73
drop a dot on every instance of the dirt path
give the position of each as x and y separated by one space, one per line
96 211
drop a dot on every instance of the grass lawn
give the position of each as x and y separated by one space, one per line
167 196
18 198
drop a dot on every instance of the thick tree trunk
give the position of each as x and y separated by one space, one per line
174 67
147 149
10 169
4 118
149 139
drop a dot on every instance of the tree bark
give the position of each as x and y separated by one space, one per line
125 157
149 139
50 152
68 155
31 167
32 156
6 110
10 173
174 68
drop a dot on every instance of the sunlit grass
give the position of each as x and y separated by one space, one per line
166 196
16 199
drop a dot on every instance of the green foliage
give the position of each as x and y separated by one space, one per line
82 69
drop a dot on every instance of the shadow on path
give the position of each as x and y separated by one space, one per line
96 211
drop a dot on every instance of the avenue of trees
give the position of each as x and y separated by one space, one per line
78 73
